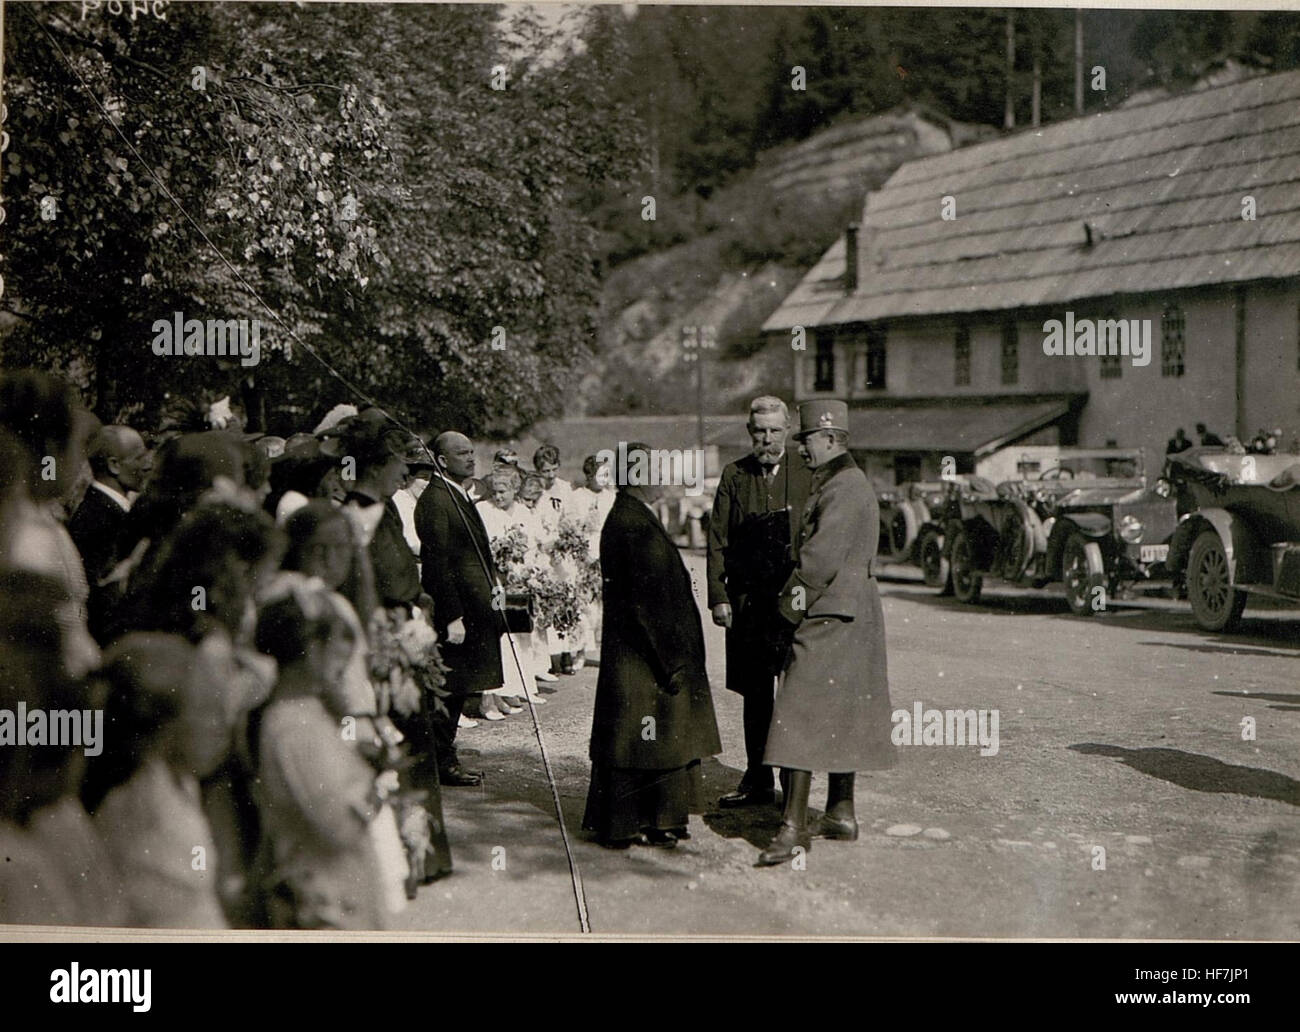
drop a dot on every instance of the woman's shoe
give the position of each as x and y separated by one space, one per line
546 676
466 722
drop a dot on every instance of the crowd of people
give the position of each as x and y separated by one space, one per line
233 665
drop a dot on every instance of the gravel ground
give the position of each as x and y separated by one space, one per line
1120 733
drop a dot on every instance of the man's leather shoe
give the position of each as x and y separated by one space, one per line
747 797
661 839
459 777
844 829
637 840
782 848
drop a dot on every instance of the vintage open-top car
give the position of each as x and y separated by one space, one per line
1090 522
904 511
1239 533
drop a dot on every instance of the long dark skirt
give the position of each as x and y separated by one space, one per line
423 776
624 802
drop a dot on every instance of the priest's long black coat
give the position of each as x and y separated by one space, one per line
652 635
453 575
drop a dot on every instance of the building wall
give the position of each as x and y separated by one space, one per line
1273 359
1141 407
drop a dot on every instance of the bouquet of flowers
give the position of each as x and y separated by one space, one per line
558 604
404 660
571 559
512 554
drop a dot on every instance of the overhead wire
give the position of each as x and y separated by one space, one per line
579 892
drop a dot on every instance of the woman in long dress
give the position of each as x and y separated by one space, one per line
503 516
318 797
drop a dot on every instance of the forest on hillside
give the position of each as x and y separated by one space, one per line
425 204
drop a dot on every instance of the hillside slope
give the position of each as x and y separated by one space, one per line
751 243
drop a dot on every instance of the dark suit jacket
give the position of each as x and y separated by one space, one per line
652 640
747 569
397 578
743 493
454 576
96 529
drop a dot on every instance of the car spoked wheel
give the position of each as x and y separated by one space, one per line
899 537
934 564
1216 604
1083 572
966 583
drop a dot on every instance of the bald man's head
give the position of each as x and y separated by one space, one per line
454 453
119 458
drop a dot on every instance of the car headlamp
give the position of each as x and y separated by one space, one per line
1130 528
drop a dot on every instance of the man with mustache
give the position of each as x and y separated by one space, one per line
459 574
756 513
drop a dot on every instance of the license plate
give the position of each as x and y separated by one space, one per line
1153 553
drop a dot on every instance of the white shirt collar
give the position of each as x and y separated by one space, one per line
121 499
463 493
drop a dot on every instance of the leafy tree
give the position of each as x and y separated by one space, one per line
358 169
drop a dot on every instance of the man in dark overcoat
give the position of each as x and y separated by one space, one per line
832 708
653 719
458 572
756 513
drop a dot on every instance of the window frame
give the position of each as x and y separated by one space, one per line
961 356
1010 353
1173 340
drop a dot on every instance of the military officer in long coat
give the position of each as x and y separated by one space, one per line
756 514
832 708
653 719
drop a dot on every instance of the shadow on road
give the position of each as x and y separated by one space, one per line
522 809
1266 696
1233 647
1201 773
1137 615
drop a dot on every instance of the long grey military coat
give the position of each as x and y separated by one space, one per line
832 703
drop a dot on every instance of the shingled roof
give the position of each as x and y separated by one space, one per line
1159 186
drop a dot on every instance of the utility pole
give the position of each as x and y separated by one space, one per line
696 340
1009 119
1078 61
1036 47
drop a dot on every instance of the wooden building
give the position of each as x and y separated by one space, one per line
1184 212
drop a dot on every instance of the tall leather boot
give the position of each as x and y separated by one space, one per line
839 821
794 822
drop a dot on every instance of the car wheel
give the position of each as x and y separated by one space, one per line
966 583
934 564
1216 604
1082 572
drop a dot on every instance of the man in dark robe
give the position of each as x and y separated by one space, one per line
653 720
756 514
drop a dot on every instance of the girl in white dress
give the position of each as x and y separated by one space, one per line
503 514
